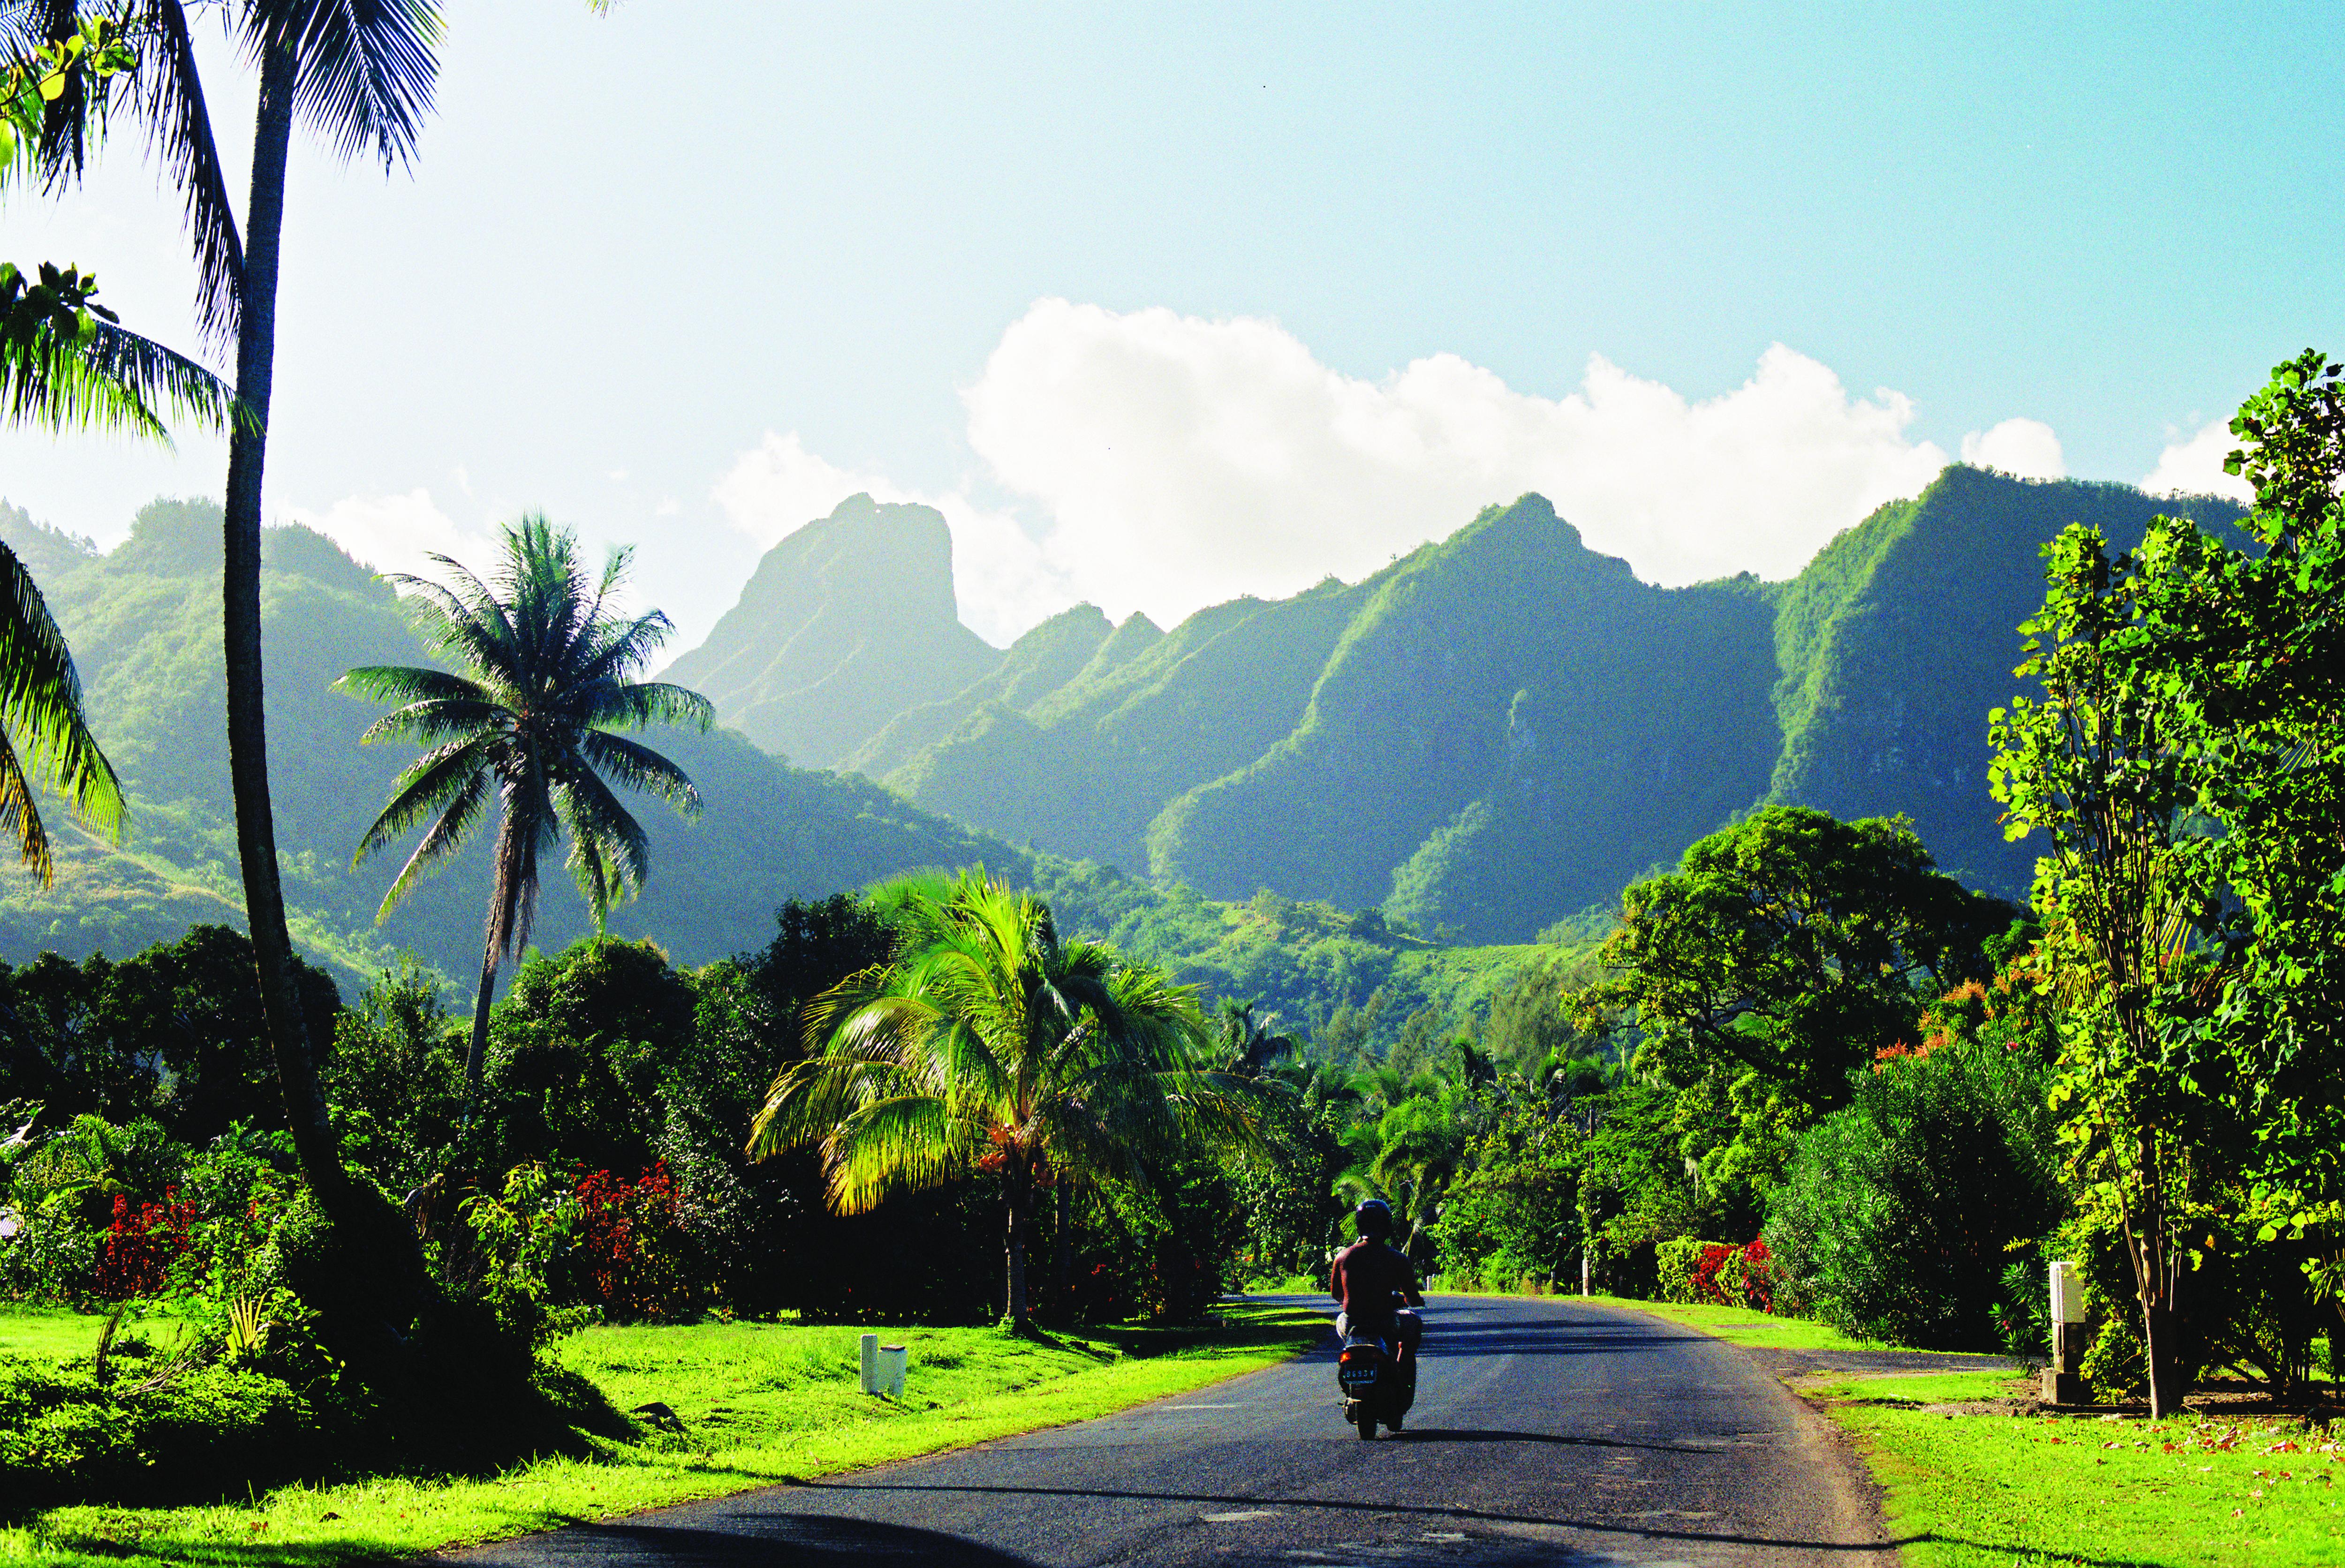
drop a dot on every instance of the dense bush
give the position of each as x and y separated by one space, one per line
1903 1212
66 1434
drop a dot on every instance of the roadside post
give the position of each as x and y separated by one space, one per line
2064 1380
883 1367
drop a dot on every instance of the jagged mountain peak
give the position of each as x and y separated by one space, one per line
846 624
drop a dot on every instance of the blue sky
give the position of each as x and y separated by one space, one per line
637 251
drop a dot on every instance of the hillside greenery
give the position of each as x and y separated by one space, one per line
143 621
1497 731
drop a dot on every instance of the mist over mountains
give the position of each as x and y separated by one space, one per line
1495 732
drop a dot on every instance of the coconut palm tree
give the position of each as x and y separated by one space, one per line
361 74
552 662
991 1044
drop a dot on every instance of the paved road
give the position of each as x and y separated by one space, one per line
1544 1432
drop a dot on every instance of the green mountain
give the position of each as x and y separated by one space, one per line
1901 633
144 622
846 624
1506 727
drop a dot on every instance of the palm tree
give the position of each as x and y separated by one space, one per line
991 1044
361 72
552 662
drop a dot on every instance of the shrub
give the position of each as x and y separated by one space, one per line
64 1435
631 1245
136 1255
1899 1215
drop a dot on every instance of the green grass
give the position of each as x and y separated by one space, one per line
760 1404
1986 1492
1741 1326
60 1334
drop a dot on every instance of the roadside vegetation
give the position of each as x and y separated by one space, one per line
2197 1490
736 1405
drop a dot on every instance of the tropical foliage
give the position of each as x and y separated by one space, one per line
988 1042
533 727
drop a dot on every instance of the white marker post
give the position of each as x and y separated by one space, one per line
871 1363
2064 1380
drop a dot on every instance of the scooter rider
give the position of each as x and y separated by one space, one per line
1368 1275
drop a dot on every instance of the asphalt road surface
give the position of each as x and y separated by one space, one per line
1544 1432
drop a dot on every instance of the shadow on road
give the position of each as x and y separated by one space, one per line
1469 1434
1340 1505
756 1540
1448 1337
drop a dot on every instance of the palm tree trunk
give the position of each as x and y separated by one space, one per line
476 1056
1016 1312
247 734
378 1280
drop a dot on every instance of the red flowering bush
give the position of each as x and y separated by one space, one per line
1758 1277
1706 1270
631 1243
136 1254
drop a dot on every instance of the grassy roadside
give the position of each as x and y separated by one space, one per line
760 1403
1987 1491
1742 1325
1982 1490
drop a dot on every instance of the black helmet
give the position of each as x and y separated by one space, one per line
1373 1218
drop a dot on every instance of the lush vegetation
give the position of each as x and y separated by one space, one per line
744 1405
1494 732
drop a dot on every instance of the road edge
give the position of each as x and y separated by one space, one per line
1860 1495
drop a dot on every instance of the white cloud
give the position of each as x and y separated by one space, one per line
1164 462
1004 582
2027 448
1181 462
2195 467
398 533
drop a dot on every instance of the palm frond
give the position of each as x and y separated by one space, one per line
42 721
366 67
457 816
408 684
611 856
639 704
639 767
169 98
624 649
427 785
97 375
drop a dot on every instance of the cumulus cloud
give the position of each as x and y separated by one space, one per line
2027 448
1005 580
398 533
1164 462
2194 466
1181 461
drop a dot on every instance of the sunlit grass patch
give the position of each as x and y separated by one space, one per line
760 1404
1989 1491
1742 1325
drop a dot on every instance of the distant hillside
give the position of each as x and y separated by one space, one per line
144 622
1901 633
1504 727
846 624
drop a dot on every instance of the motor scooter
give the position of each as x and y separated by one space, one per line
1379 1384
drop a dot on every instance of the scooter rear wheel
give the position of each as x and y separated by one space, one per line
1367 1427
